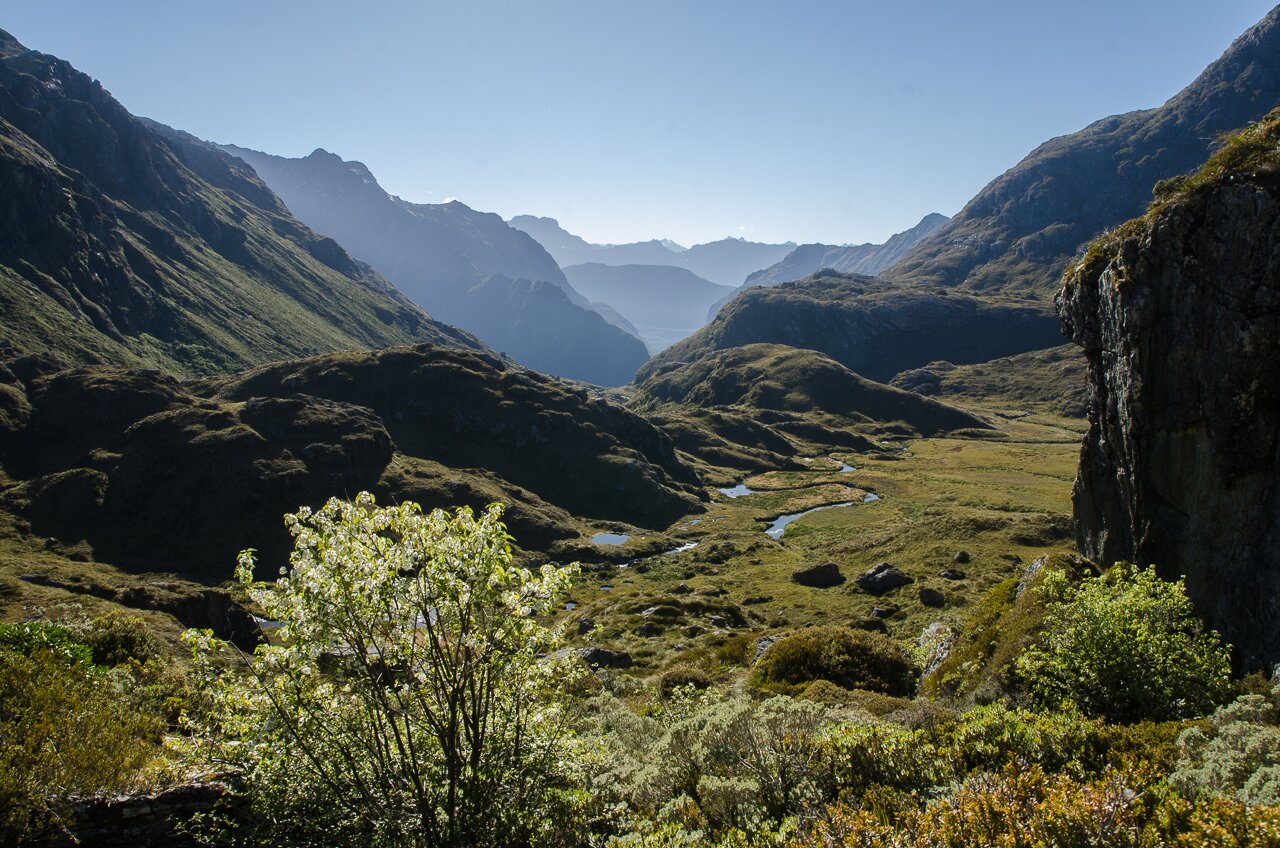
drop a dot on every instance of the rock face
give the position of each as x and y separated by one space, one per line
122 244
1179 316
1021 231
469 268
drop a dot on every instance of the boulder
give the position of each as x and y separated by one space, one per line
822 576
604 658
882 578
932 597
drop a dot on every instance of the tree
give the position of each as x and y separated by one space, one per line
410 697
1126 646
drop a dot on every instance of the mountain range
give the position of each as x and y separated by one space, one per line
467 267
122 244
726 262
866 259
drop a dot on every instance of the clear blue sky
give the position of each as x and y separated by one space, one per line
805 121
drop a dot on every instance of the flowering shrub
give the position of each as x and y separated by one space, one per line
411 699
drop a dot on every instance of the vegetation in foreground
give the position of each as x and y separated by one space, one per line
415 695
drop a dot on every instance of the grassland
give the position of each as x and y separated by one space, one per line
1003 501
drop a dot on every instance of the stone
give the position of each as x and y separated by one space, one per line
875 625
718 621
952 574
586 625
822 576
961 557
882 578
932 597
764 643
604 658
682 589
880 612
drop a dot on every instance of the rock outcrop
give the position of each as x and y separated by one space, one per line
1179 315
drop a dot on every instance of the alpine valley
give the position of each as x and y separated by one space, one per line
967 538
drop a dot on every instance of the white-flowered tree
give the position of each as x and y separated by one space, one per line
411 695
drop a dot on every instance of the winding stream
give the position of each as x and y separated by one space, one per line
779 526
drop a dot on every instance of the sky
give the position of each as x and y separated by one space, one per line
836 122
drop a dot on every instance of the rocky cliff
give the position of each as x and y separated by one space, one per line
872 327
1178 313
122 245
1021 231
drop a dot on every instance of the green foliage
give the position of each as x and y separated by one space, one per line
65 729
1239 758
854 659
680 676
1126 646
413 696
28 637
713 763
116 638
987 738
858 756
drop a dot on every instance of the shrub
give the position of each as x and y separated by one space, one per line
413 698
118 637
64 730
987 738
853 659
30 636
1126 646
680 676
713 762
860 755
1239 758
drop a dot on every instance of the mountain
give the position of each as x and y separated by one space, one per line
1178 314
138 470
726 262
866 259
469 268
665 303
871 326
122 245
1021 231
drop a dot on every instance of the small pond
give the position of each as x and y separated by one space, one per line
779 526
687 546
870 497
609 539
738 491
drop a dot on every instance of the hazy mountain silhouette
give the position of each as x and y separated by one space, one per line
665 303
866 259
468 267
726 262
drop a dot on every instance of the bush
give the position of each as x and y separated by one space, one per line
860 755
118 637
712 762
30 636
1239 758
853 659
987 738
413 698
64 730
1125 646
679 677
